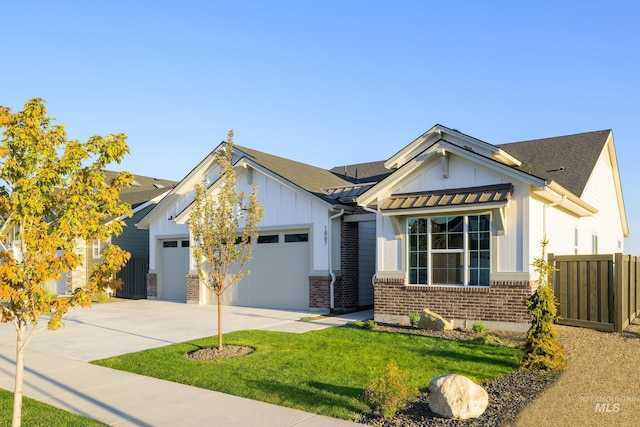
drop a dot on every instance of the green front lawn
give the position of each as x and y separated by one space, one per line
323 372
37 414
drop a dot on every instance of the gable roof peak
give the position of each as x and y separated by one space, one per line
438 133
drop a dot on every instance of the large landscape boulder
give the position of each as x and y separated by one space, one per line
433 321
456 396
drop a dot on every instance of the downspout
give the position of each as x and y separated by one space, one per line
331 273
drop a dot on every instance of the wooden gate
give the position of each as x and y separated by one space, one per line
597 291
134 277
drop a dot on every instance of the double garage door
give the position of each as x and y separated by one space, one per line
279 273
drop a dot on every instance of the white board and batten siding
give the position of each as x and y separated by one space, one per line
279 270
462 174
288 209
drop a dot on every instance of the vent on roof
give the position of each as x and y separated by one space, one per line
158 185
136 184
560 169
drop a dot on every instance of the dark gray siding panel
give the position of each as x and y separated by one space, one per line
132 239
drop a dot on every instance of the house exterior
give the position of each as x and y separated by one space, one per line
460 221
142 195
299 261
449 222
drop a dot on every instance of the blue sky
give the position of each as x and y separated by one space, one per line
327 82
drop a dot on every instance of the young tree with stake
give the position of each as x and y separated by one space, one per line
53 195
220 249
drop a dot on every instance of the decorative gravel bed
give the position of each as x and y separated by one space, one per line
507 394
600 387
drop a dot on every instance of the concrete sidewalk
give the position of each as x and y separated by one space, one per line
57 371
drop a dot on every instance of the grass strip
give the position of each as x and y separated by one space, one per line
38 414
323 372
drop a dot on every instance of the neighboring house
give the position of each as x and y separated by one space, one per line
142 195
449 222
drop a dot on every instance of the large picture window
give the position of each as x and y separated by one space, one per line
449 250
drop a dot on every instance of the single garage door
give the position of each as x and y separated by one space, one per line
174 267
279 273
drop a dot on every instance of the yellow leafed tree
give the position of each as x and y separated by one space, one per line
53 195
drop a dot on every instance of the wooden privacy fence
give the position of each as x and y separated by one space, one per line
134 277
597 291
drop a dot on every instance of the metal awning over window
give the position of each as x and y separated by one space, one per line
489 196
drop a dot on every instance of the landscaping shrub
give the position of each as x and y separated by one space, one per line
542 350
478 328
366 324
414 319
489 340
102 297
388 391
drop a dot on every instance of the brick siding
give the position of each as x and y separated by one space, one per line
152 285
502 301
346 292
193 288
319 294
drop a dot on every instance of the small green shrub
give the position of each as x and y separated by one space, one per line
311 318
102 297
478 328
366 324
414 319
388 391
490 340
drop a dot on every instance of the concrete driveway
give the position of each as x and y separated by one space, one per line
122 327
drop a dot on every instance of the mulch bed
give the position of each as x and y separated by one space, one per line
213 353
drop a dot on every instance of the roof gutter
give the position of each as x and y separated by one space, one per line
331 273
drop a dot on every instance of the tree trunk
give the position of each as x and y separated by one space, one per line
21 329
219 321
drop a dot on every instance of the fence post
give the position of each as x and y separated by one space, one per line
551 260
618 293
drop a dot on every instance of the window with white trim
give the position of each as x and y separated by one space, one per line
96 248
449 250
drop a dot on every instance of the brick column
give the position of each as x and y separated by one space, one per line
193 288
152 285
319 293
346 290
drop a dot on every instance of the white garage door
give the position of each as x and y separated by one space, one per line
279 273
174 267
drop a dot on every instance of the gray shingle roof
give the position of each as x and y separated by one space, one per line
363 172
143 189
307 177
567 160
